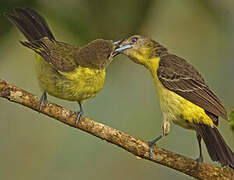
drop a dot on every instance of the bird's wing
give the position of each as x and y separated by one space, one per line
182 78
65 58
61 56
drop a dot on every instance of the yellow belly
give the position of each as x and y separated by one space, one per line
81 84
177 109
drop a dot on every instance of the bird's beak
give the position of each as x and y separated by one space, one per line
117 43
119 48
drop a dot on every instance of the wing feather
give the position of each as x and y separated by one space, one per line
58 54
182 78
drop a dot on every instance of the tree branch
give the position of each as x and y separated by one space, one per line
121 139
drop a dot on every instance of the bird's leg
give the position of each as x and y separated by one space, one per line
43 100
80 113
166 129
152 143
200 158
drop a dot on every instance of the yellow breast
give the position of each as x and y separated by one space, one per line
174 107
81 84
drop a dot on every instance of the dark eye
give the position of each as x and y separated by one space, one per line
134 39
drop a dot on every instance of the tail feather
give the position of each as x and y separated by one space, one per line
216 146
30 23
41 20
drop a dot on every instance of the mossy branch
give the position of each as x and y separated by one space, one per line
125 141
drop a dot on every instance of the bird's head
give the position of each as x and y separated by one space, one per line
140 49
96 54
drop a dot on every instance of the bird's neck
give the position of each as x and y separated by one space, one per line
152 64
154 55
97 65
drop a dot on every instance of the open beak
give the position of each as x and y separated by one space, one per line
119 48
117 43
122 48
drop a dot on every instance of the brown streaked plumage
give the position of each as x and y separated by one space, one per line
58 54
179 76
65 57
184 97
65 71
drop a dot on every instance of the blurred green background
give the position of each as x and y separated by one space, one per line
33 146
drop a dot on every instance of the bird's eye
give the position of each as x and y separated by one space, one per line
134 39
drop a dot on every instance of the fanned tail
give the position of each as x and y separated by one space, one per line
216 146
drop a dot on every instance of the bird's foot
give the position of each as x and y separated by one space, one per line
43 100
79 116
151 145
199 161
